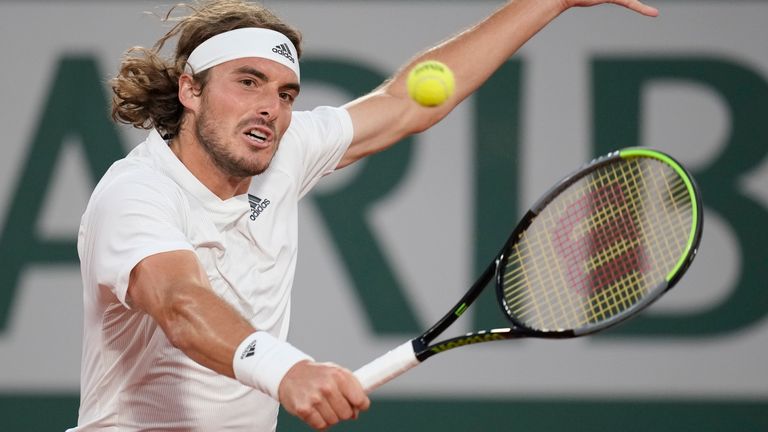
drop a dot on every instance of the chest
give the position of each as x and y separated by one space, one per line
247 250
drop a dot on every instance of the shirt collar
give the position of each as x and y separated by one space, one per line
224 212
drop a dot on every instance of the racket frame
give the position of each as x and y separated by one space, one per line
672 277
422 345
415 351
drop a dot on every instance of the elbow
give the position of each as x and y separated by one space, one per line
416 119
424 122
176 322
420 118
177 337
412 118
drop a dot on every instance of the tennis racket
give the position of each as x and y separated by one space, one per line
596 249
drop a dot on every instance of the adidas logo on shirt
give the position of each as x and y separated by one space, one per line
284 51
258 205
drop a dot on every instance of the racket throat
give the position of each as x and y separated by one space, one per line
421 349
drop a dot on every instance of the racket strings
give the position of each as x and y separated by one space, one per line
670 212
564 303
600 247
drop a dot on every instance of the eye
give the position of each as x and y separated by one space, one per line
248 82
287 97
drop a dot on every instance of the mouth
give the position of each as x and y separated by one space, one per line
259 136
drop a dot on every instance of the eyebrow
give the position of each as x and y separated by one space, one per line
262 76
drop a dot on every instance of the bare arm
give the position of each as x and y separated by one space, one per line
386 115
174 290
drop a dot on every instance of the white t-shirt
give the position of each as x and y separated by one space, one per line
132 378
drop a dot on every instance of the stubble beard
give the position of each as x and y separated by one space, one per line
224 159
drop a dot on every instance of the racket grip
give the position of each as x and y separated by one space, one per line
390 365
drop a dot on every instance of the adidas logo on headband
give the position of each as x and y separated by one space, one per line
284 51
242 43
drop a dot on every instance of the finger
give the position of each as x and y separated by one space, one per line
641 8
352 397
355 394
315 421
341 405
360 402
634 5
327 413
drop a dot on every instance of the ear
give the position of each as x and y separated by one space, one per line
189 92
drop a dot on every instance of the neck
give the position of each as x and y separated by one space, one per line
197 160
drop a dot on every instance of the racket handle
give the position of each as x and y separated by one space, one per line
390 365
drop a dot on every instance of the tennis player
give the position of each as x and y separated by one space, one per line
188 245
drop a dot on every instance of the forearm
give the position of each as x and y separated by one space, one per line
205 328
386 115
213 334
476 53
174 290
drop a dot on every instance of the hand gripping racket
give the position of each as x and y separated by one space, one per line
596 249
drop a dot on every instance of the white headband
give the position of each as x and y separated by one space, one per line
241 43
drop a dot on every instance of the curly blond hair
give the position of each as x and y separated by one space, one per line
145 90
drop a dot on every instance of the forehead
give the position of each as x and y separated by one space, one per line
273 70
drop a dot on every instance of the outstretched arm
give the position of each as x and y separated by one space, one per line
386 115
174 290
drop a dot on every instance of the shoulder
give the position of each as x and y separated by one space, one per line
320 120
128 176
134 184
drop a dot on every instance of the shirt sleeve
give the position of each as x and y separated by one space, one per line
132 218
324 134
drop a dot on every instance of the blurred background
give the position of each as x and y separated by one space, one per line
388 245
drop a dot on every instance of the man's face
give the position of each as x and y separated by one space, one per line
244 111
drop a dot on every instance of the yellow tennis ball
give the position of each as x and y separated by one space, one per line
430 83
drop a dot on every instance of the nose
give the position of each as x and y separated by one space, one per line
269 106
